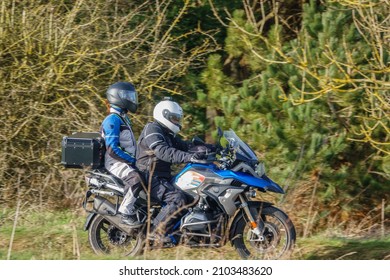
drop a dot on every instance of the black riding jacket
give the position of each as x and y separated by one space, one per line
156 143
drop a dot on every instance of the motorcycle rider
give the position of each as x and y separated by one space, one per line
121 146
158 148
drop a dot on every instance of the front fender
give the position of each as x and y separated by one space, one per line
253 205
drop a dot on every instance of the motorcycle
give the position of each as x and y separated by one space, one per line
224 209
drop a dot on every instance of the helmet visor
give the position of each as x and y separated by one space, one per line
175 118
129 95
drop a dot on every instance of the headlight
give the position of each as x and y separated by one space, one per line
260 169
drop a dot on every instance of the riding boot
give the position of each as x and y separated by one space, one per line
131 221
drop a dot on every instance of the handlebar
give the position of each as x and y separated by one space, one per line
211 157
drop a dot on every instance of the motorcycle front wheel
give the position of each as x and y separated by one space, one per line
276 242
105 238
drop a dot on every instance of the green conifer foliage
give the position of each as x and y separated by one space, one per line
313 104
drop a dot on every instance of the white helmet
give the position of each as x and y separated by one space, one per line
169 114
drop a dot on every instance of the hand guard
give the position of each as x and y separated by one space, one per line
198 156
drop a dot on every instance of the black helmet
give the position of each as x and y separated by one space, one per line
123 95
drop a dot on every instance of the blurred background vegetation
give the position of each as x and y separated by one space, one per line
305 83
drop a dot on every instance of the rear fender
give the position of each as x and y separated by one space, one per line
100 206
108 210
253 205
89 220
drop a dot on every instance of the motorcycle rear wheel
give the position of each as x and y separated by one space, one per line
279 236
105 238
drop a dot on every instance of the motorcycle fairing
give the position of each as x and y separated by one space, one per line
263 183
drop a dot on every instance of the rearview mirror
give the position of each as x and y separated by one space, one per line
220 132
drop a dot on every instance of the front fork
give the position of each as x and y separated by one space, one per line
257 226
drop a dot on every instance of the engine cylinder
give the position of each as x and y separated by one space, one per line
196 221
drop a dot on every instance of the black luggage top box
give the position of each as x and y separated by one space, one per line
83 149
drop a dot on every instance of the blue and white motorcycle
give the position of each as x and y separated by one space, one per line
224 208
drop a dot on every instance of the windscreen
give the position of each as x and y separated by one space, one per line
239 145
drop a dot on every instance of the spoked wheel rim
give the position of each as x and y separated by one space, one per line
269 246
105 238
276 241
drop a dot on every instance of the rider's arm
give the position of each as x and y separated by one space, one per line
111 130
156 141
181 144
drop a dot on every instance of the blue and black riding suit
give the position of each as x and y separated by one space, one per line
120 154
